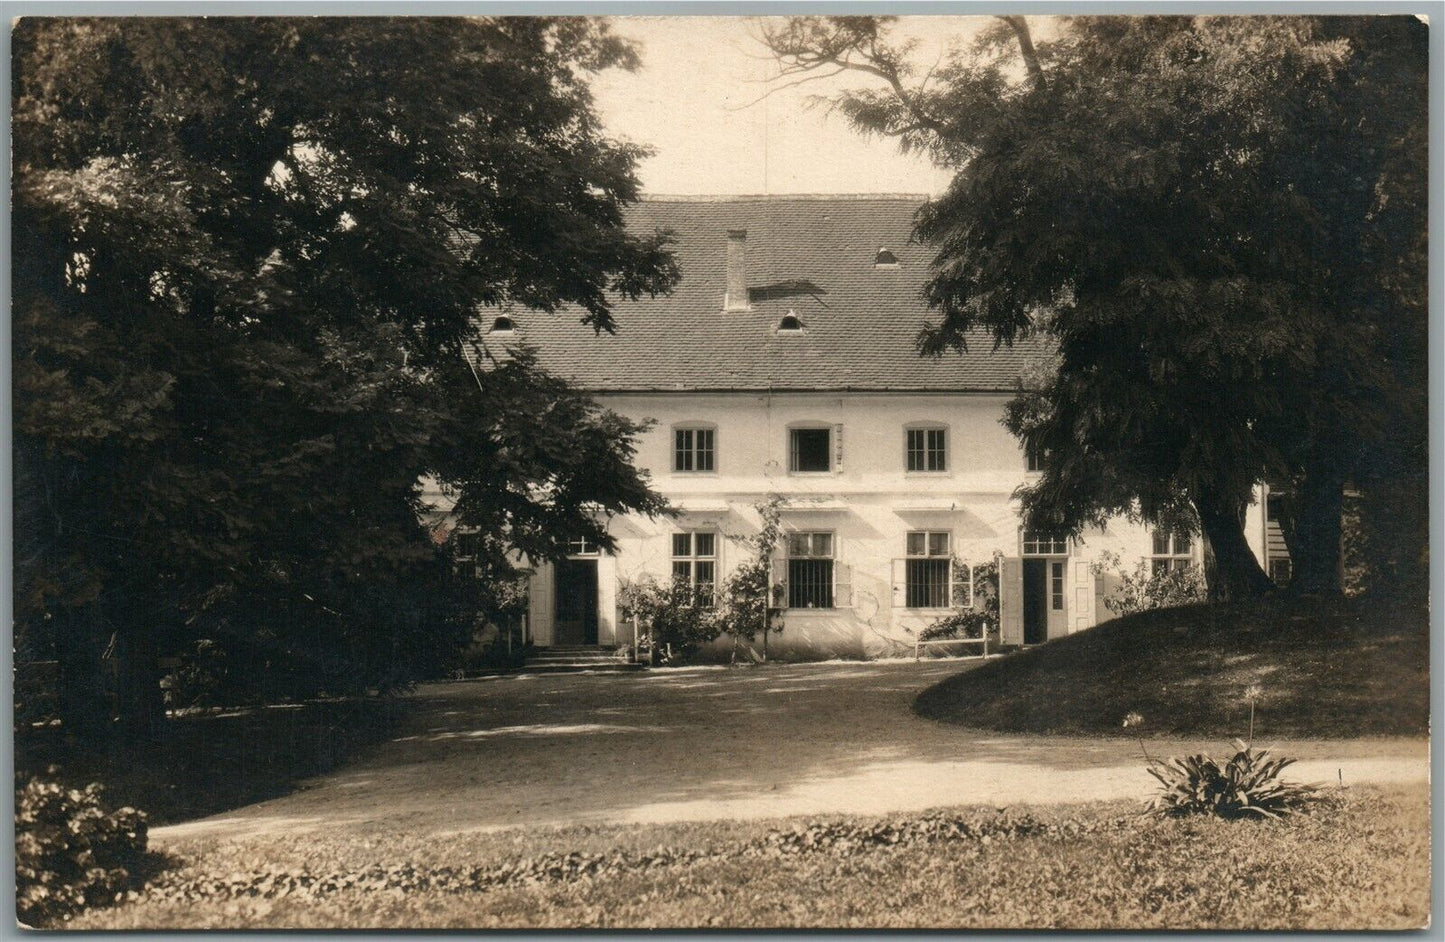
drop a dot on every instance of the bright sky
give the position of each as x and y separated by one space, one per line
695 102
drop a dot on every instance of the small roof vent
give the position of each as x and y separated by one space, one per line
790 323
885 259
503 325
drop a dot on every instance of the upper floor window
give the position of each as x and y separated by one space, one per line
1171 551
926 449
810 449
1035 457
694 562
1037 543
810 570
692 449
581 546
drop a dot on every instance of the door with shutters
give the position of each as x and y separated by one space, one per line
539 605
1011 600
1081 595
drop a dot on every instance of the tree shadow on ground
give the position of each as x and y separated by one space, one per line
203 764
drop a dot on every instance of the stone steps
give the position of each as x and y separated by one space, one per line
569 658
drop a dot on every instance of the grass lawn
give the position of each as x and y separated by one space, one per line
1361 860
1346 669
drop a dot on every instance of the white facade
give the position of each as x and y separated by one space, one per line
867 501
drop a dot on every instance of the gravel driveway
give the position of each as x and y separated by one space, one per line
718 743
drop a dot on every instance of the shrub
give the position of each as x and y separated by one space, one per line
70 852
975 621
1247 784
748 605
1145 589
673 618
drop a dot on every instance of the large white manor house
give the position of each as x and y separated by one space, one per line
785 363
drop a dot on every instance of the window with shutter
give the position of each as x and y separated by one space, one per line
810 570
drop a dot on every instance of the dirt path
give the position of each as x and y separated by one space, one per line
717 743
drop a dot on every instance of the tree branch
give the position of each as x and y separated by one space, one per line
1020 28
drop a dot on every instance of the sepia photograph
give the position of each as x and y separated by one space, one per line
571 472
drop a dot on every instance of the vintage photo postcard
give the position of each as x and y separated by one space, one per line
789 472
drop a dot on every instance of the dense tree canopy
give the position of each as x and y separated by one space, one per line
248 256
1219 220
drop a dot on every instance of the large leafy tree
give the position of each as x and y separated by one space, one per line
1219 221
248 257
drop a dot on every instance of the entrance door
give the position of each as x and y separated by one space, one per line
1045 599
576 618
1036 600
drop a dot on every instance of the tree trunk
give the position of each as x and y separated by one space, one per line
80 697
1315 554
1230 567
142 703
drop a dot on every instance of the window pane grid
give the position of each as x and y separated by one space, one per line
581 546
1172 552
926 449
692 449
810 569
694 562
1039 544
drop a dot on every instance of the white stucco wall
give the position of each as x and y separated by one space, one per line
880 502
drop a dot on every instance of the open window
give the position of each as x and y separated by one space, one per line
503 325
810 449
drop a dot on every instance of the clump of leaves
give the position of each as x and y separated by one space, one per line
674 618
1144 589
977 620
1246 784
70 852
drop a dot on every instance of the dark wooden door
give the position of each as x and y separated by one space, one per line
1036 596
576 618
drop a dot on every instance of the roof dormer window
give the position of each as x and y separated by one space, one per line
790 324
503 325
885 259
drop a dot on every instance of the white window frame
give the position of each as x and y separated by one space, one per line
1043 545
788 558
581 546
958 573
693 558
925 428
694 450
1174 559
835 438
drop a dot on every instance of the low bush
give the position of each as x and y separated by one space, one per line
1145 589
674 619
70 851
979 619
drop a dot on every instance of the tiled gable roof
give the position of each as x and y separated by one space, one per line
814 256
